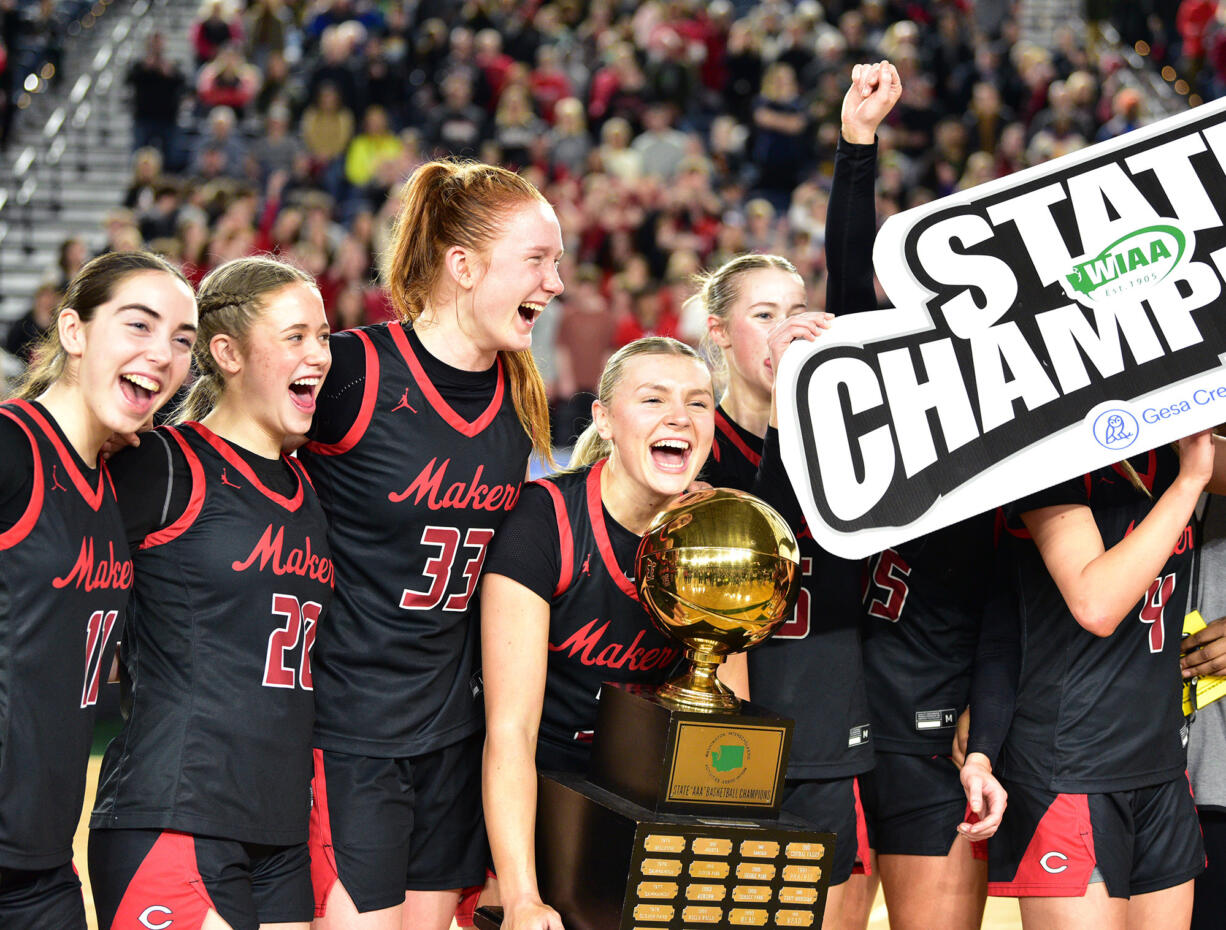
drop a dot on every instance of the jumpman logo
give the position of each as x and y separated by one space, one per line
228 483
55 485
404 403
587 564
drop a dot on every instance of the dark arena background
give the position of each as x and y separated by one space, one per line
208 131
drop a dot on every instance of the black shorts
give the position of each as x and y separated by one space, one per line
387 826
831 806
913 805
41 898
1050 844
160 878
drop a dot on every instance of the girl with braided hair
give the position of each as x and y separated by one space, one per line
117 349
204 797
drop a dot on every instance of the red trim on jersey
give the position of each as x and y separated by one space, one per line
323 859
437 401
166 887
1089 481
301 469
194 502
595 512
1147 476
21 529
725 427
226 451
1059 859
566 538
92 496
370 390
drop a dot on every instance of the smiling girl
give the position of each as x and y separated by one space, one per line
419 450
203 800
563 567
118 348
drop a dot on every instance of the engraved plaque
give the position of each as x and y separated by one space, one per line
756 872
802 874
794 918
747 917
667 868
805 850
654 912
705 868
705 892
752 894
797 894
702 914
665 890
658 843
759 849
709 846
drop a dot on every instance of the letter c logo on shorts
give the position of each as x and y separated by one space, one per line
155 910
1053 855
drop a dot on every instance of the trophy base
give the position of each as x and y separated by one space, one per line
605 863
682 761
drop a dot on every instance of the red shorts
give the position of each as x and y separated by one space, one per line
1136 841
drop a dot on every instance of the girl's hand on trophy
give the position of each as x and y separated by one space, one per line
531 915
808 325
985 796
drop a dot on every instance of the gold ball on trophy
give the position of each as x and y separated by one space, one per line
719 571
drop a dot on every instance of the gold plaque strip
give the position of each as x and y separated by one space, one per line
705 868
759 849
705 892
657 913
662 843
668 868
665 890
752 894
794 918
702 915
802 874
747 917
756 872
793 894
706 846
805 850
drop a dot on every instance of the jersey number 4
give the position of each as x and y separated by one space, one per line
1153 605
438 568
300 623
97 632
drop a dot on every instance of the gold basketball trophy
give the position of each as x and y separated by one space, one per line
677 824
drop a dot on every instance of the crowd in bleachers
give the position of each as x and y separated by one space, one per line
669 134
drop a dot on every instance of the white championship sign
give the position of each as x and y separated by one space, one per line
1046 324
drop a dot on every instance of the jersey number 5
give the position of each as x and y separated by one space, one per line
300 622
97 632
887 589
1153 605
798 626
438 568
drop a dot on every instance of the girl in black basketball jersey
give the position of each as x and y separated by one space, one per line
418 451
756 305
1101 829
203 800
559 611
118 348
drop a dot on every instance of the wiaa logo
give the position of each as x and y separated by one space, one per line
1130 265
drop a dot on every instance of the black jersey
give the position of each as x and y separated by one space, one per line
414 494
216 660
923 601
65 576
811 668
1098 714
598 630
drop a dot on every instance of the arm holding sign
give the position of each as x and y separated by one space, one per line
1101 585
